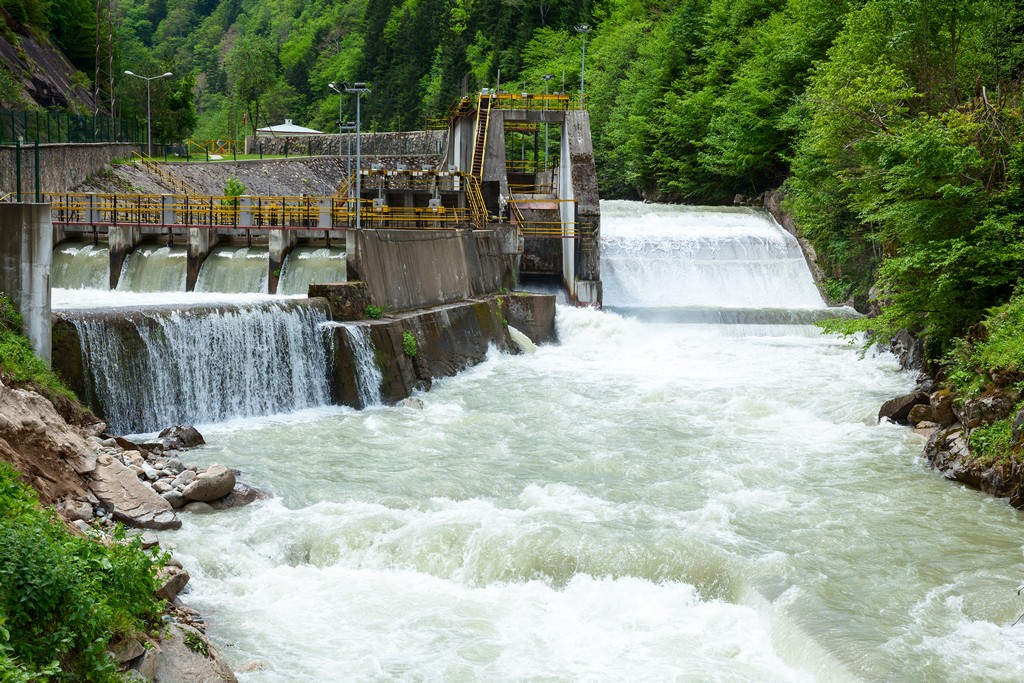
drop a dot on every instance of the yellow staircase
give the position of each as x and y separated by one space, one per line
164 176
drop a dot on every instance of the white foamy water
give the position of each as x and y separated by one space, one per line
646 501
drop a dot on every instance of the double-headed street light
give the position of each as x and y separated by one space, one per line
358 88
584 29
149 110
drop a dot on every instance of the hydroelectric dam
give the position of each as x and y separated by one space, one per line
690 485
401 263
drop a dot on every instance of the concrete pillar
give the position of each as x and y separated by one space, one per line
201 242
26 254
281 242
121 239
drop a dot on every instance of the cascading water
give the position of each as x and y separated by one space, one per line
235 270
307 265
77 265
716 266
368 374
148 369
154 269
644 501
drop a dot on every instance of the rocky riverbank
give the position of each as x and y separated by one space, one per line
948 422
95 481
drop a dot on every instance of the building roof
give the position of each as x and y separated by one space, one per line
287 128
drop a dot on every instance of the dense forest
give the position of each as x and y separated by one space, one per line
893 126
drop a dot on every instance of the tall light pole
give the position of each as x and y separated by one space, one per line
149 109
584 29
546 77
358 88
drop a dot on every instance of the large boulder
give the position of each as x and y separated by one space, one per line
180 437
216 482
898 409
130 501
184 655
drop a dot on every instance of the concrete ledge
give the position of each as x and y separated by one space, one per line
531 314
347 300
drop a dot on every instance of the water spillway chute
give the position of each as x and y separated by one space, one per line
311 265
77 265
154 269
235 270
149 367
704 265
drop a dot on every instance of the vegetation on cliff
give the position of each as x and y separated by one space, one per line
64 597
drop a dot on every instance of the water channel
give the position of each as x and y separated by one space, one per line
658 497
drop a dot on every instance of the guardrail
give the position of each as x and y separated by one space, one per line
62 127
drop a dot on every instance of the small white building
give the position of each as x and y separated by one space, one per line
285 129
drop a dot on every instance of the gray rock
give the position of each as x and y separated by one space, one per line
908 350
180 436
85 463
173 465
179 658
922 413
132 502
216 482
75 510
134 458
174 498
898 409
198 507
174 580
993 406
150 472
162 486
411 402
127 650
1017 433
240 496
183 479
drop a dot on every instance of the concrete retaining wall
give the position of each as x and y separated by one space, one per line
61 167
26 253
408 269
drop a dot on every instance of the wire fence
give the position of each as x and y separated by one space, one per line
62 127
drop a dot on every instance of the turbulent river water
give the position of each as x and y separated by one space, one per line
655 498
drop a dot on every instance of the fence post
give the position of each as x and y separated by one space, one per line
39 197
17 165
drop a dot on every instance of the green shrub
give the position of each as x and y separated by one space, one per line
409 345
234 187
992 443
18 361
996 345
374 312
63 597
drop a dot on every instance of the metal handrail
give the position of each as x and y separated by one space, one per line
164 175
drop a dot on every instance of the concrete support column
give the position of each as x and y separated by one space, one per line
201 242
121 239
168 216
281 242
353 255
26 254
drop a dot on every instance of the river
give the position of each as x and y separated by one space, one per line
654 498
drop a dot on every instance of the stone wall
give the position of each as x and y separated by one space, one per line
61 167
427 144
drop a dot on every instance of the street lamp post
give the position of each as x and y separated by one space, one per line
149 109
584 29
358 88
546 77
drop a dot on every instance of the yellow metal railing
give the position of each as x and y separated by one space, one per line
292 213
475 199
216 147
163 175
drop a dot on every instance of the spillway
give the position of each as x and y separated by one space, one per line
154 269
308 265
149 367
77 265
235 270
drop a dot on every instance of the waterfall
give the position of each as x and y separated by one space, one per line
77 265
708 265
368 374
235 270
153 367
155 269
307 265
